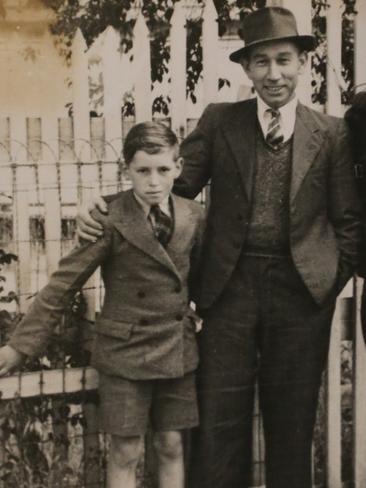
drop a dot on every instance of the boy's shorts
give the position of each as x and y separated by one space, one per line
128 407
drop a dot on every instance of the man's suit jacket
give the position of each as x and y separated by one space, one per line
324 209
146 329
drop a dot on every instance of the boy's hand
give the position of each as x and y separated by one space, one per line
9 359
87 227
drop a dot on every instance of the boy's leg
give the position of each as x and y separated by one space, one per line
124 407
124 455
169 453
174 411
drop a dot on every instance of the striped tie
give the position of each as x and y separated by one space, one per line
274 135
161 223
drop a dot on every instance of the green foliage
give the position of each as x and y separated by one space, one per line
33 453
34 431
93 17
319 64
348 49
7 319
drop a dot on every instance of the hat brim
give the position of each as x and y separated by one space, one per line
307 43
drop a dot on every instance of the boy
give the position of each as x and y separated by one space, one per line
283 235
145 348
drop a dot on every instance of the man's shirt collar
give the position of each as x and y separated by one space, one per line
164 205
287 117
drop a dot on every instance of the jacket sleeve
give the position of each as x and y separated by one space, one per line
196 150
35 330
345 207
196 254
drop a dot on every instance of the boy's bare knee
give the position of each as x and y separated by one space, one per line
168 445
126 451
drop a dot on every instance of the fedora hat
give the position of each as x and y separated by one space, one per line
270 24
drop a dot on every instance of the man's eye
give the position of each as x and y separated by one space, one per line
164 169
142 171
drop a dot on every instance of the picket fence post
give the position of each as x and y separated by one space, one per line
210 49
21 231
142 70
334 57
302 12
50 186
80 96
178 65
112 93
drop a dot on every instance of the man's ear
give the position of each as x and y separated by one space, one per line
303 61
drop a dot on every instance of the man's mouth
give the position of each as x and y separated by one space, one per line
274 89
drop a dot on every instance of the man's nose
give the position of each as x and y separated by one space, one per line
274 72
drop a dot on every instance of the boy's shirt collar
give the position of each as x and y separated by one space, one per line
164 205
287 113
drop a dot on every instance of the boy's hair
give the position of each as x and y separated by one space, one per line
150 137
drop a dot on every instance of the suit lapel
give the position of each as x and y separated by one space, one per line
240 131
131 222
308 139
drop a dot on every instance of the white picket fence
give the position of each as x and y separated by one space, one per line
47 166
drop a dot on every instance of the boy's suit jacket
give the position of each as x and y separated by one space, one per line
324 209
146 329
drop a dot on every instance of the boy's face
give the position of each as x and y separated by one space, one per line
274 69
153 175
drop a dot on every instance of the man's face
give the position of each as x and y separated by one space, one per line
153 175
274 68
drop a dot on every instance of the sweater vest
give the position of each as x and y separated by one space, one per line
269 228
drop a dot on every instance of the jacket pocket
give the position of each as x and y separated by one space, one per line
114 328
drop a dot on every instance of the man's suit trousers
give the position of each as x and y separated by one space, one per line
265 327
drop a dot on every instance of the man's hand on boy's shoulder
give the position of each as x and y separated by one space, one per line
88 228
10 359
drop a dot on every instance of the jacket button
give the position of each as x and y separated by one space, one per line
236 245
144 322
240 217
141 294
179 317
178 289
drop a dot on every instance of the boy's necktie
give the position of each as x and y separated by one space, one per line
274 135
161 223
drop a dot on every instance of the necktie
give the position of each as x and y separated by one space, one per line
274 135
161 223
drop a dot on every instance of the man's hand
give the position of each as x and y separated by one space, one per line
9 359
87 227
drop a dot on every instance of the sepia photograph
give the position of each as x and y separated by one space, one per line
182 244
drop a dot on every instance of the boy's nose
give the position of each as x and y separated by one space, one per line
154 179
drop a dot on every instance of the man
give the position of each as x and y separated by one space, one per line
282 238
355 118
